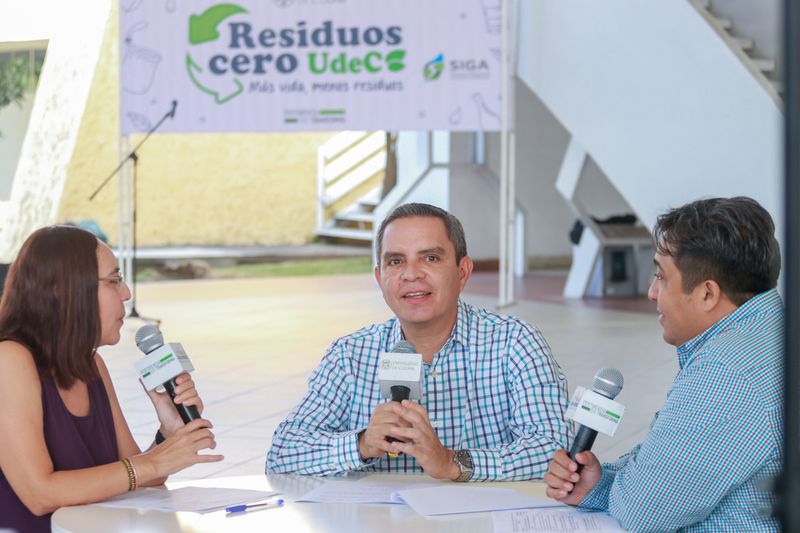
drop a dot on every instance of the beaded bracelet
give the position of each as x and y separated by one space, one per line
135 475
132 478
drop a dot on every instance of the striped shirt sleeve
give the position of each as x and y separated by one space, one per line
538 401
316 438
708 439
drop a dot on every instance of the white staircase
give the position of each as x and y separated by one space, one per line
763 69
661 96
350 169
592 267
356 222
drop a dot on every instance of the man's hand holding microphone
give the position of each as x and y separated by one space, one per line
572 476
401 426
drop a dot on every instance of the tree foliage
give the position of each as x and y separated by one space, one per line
16 76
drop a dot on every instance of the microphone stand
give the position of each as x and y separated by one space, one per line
134 157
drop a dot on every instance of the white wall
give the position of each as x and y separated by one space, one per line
474 198
663 106
596 192
63 89
417 181
541 142
13 124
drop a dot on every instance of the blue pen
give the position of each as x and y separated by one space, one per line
247 507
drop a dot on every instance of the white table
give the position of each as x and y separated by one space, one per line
292 517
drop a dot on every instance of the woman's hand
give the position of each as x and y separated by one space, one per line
185 394
177 452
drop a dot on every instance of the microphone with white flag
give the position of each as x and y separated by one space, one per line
161 365
595 410
400 375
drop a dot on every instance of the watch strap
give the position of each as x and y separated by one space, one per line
463 459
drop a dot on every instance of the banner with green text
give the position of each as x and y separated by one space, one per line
301 65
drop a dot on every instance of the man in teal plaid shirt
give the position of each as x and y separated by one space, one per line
709 451
493 397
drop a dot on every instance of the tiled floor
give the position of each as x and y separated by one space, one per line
254 343
548 285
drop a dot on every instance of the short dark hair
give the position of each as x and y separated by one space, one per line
452 226
50 303
728 240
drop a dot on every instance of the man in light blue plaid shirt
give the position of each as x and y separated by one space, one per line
718 437
494 399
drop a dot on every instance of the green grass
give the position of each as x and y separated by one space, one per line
310 267
313 267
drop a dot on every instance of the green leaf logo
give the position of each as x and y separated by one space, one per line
394 60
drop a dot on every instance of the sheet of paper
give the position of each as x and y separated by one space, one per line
448 499
191 499
354 492
553 521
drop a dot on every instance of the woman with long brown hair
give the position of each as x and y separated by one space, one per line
63 437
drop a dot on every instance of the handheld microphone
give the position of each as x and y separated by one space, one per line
400 375
596 411
161 365
172 110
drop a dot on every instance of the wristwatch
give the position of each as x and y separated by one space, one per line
464 461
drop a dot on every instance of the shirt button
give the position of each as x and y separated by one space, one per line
433 374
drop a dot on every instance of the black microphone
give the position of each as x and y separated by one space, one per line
400 393
607 382
148 339
174 107
386 376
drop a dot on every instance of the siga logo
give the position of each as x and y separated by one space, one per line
203 29
433 69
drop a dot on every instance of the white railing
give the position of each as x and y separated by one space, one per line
345 162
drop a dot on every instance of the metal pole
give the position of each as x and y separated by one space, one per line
504 298
789 484
134 312
511 213
121 208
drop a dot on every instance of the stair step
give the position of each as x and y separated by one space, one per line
352 224
778 84
356 216
724 23
765 65
744 43
354 219
365 171
370 201
346 233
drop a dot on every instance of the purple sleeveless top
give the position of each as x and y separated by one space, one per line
73 442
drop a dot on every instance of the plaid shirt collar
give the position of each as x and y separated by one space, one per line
460 333
757 304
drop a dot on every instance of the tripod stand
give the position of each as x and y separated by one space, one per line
134 158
